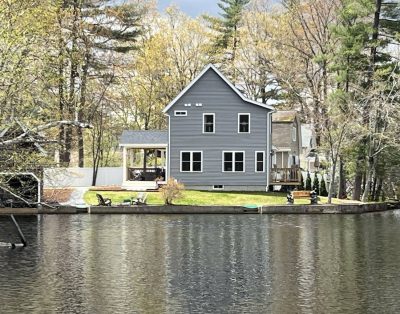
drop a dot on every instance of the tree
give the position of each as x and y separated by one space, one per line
323 191
315 185
308 182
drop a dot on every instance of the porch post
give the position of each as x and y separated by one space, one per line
124 166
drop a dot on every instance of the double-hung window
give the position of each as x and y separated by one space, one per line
191 161
233 162
260 161
208 122
243 122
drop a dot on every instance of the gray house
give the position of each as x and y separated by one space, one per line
286 141
217 139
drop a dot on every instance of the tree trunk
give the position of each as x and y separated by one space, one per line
342 180
332 183
82 105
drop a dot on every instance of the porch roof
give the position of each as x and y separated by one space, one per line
144 137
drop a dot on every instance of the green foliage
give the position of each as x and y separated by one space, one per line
301 186
308 182
323 191
315 185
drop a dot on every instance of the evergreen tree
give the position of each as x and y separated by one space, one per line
227 26
316 184
308 182
323 191
301 186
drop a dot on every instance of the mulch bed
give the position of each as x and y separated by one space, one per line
57 195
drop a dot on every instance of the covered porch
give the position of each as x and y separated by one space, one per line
144 155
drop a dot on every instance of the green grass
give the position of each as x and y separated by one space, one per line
200 198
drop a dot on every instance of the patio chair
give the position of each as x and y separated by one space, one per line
103 201
140 199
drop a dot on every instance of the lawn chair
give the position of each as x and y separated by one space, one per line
103 201
140 199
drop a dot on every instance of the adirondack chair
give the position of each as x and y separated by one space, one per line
103 201
140 199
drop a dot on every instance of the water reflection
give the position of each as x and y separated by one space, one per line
203 264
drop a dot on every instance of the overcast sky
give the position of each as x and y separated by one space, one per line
192 7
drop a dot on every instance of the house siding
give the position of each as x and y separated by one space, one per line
186 134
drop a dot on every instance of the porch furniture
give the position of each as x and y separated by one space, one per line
103 201
140 199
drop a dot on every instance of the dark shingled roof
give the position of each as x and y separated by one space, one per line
284 116
144 137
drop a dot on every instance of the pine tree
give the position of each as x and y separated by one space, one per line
301 186
308 182
315 186
323 191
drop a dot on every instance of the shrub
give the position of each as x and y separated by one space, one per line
324 191
301 186
171 191
316 184
308 182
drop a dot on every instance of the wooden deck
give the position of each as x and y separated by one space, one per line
285 176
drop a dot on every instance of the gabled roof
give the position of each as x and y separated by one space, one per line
211 66
145 137
284 116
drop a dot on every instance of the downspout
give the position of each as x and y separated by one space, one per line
168 149
269 147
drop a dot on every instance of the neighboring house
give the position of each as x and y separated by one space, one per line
309 159
217 139
286 141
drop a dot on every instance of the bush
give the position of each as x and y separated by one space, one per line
301 186
171 191
324 191
308 182
316 184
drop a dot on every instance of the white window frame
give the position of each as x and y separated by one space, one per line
234 160
177 113
238 123
256 161
218 189
294 134
191 160
204 125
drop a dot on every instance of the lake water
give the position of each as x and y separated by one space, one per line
203 264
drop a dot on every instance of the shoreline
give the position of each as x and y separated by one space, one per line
189 209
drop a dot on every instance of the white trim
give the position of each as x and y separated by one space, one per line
255 160
143 145
177 113
234 160
210 114
244 114
210 66
294 134
191 160
218 189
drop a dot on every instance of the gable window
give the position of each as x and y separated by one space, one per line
208 122
180 113
233 162
244 123
260 160
294 134
191 161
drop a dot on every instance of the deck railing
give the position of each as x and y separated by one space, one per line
283 176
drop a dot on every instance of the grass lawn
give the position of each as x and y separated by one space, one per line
204 198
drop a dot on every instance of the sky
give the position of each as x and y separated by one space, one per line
192 7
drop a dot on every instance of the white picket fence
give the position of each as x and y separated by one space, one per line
81 177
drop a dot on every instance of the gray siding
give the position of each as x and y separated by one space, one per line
186 134
282 136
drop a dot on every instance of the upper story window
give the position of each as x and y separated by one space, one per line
180 113
233 161
208 122
260 158
191 161
294 134
244 123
